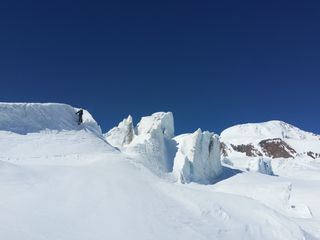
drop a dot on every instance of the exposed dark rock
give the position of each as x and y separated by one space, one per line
248 149
313 155
223 149
277 148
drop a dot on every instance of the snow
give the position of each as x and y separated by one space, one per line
300 141
260 165
62 181
160 121
23 118
153 143
198 157
191 157
266 130
122 134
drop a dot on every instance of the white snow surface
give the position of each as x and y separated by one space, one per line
260 165
64 181
121 135
153 143
247 133
24 118
198 157
191 157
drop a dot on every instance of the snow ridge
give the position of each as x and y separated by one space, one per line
24 118
266 130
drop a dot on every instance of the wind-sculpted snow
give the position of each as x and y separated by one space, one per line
198 157
121 135
24 118
44 133
157 122
153 142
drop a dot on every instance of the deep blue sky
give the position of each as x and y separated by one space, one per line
212 63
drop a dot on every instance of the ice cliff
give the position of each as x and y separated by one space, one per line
190 157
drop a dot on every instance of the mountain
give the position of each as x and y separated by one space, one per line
273 139
267 146
61 180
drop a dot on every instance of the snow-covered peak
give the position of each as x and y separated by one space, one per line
24 118
273 139
158 121
266 130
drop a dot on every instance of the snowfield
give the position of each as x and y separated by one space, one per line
61 180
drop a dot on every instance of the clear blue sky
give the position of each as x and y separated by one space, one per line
212 63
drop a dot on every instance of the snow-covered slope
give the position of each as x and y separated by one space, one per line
248 145
62 181
42 133
273 139
247 133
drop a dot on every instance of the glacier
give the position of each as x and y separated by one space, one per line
61 180
190 157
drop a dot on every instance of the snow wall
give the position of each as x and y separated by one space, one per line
24 118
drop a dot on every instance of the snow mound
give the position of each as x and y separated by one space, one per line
48 133
263 189
198 157
24 118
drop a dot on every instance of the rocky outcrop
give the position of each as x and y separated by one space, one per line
198 157
248 149
224 149
313 154
277 148
273 148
